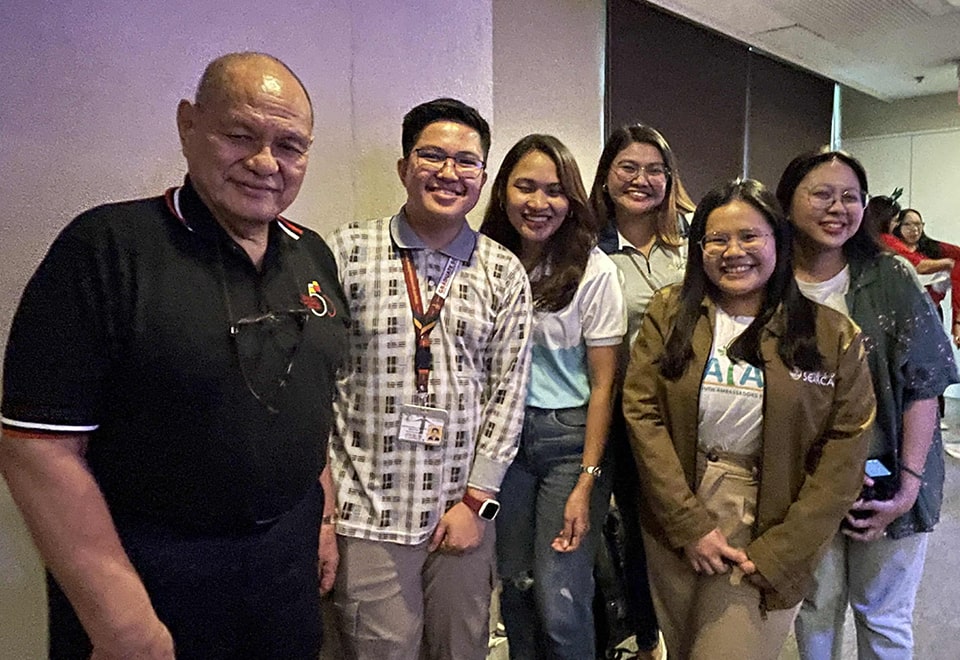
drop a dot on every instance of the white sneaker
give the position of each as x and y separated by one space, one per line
952 449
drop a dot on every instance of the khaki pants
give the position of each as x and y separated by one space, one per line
399 602
716 616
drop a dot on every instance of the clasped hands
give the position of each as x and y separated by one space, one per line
712 555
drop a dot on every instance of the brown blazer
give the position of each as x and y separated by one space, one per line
815 440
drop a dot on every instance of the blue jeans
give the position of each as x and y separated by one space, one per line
547 596
879 579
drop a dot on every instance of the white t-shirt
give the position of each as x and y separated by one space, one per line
830 292
559 375
731 394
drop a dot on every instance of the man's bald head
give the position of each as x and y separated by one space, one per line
246 139
218 77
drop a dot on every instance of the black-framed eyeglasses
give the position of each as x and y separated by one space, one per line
467 166
267 346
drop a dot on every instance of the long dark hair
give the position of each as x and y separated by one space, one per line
880 212
675 198
926 245
797 347
566 252
864 245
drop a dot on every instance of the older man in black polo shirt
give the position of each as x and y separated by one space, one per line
167 390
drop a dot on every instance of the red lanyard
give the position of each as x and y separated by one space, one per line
423 323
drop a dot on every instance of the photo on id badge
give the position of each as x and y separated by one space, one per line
422 424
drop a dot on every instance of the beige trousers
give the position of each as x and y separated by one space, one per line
400 602
716 616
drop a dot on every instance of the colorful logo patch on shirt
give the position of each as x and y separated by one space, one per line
317 301
723 371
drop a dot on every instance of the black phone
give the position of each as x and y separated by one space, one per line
885 483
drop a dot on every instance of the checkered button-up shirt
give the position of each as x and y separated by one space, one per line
389 489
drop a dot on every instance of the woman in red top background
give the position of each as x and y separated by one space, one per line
910 231
902 232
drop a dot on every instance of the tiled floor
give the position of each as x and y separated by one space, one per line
937 615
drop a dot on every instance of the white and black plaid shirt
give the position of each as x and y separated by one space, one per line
387 489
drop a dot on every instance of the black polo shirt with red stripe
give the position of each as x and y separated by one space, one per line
127 332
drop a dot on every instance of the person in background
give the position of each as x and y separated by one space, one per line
937 275
555 493
883 215
639 200
944 256
876 562
429 412
747 407
166 399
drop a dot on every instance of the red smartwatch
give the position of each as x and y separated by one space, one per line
486 509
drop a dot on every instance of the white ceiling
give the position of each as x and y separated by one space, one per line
879 47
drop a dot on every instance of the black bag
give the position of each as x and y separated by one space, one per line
610 602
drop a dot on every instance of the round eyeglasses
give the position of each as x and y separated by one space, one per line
627 171
715 245
822 197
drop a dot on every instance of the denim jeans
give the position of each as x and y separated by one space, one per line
547 596
879 579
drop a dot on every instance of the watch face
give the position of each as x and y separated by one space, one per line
489 510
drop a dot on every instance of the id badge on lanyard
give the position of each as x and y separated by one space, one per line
420 423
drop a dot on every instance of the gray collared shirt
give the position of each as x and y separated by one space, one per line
642 276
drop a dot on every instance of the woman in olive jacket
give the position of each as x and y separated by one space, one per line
747 408
874 566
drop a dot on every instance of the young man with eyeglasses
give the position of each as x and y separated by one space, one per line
431 407
167 396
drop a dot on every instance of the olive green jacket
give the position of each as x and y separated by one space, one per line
910 359
815 439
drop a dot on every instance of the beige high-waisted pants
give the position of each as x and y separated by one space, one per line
716 616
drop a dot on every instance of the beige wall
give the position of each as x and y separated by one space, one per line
865 116
912 144
87 116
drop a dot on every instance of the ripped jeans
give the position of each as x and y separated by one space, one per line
547 597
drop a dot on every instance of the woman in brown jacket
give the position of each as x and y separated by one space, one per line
747 408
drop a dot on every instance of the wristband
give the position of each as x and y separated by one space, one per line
911 471
328 520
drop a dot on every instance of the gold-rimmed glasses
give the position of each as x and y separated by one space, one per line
627 171
715 245
823 197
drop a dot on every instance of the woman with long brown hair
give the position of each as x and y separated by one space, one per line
555 492
640 202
